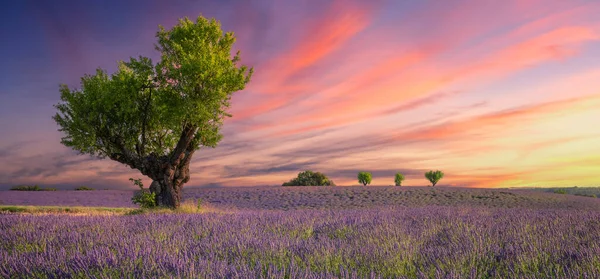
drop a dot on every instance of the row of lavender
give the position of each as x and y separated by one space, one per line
277 198
448 242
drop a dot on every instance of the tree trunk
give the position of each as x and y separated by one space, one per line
168 186
168 194
169 173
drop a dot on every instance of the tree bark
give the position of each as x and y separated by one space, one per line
168 182
167 189
168 194
168 172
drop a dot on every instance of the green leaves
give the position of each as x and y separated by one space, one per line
144 198
143 107
364 178
198 72
398 179
434 176
309 178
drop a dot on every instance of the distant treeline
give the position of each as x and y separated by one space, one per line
38 188
593 192
31 188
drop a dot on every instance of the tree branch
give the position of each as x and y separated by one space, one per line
125 155
142 149
187 135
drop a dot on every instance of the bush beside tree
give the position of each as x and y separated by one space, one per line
144 198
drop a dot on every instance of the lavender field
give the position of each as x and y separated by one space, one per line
339 232
287 198
429 242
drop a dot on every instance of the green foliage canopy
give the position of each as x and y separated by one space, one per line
398 179
434 176
365 178
147 108
310 178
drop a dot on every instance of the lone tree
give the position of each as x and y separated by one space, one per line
364 178
153 116
398 179
309 178
434 176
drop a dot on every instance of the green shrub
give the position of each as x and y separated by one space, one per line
560 191
434 176
585 195
144 198
199 204
31 188
398 179
365 178
310 178
84 188
25 188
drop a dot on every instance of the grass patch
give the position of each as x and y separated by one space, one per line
78 210
187 207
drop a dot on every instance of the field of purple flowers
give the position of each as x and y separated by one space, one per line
309 232
426 242
288 198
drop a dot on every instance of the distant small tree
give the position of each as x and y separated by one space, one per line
398 179
560 191
364 178
434 176
84 188
26 188
310 178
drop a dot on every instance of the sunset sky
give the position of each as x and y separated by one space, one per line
494 93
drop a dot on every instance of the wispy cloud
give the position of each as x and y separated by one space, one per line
501 119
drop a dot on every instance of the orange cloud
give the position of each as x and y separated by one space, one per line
502 118
414 73
486 180
335 122
265 105
364 94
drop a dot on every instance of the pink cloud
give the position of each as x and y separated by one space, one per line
500 119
